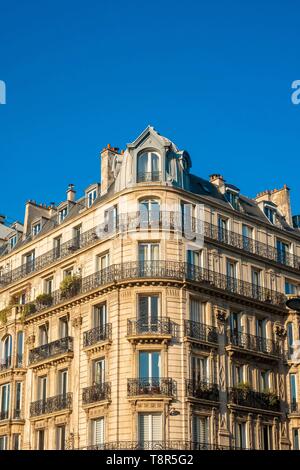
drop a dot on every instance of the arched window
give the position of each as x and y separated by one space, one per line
148 167
149 210
6 351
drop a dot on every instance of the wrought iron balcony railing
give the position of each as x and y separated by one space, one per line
148 176
252 399
19 361
46 351
98 334
141 327
166 270
155 445
3 415
17 413
200 331
151 386
95 393
254 343
5 364
294 407
51 405
202 389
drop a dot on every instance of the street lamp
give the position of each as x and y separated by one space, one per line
294 303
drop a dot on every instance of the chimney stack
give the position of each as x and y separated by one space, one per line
217 180
71 193
107 175
2 219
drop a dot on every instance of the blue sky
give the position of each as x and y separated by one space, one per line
213 76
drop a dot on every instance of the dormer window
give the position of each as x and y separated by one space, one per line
91 197
63 214
13 241
36 228
148 168
270 213
233 198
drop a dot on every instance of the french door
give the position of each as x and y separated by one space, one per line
148 313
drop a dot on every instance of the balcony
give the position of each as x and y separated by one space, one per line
255 344
149 177
97 335
155 445
202 390
50 350
3 415
149 387
161 328
5 364
249 398
51 405
200 332
294 408
96 393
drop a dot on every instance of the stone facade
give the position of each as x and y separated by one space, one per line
119 330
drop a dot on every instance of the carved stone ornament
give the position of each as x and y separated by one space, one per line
279 330
77 321
30 340
221 314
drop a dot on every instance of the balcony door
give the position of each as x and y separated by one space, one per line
148 259
100 316
235 325
231 272
222 230
261 333
293 391
42 389
197 311
148 313
200 432
99 371
149 210
6 351
149 369
240 436
63 383
247 233
200 369
148 167
256 283
266 435
149 429
5 400
282 251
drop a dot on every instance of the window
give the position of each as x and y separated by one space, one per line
290 288
97 432
111 219
99 371
149 213
13 241
240 436
247 233
270 213
188 219
197 311
49 285
63 382
102 261
267 441
41 439
77 236
6 351
199 369
148 167
282 251
36 228
18 400
16 442
148 313
235 324
148 252
295 434
29 260
194 257
63 327
222 229
237 374
3 442
57 247
100 315
20 346
91 197
68 272
264 381
233 199
256 283
43 335
149 368
293 392
149 429
62 214
261 333
200 432
61 437
290 339
5 400
42 388
231 269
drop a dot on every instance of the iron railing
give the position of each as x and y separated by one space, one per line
151 386
95 335
201 389
95 393
60 346
148 176
294 407
254 343
166 270
155 445
19 361
141 327
200 331
5 364
250 398
51 405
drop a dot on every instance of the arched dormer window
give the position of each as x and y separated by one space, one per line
149 210
6 351
148 167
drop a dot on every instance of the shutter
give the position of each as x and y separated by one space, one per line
144 427
156 427
196 310
99 431
150 427
200 430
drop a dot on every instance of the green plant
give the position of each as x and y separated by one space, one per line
273 399
29 308
44 300
243 386
3 314
70 285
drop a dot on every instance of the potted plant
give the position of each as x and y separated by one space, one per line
29 308
70 285
44 300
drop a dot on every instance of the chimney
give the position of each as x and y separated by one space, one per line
107 176
2 219
281 198
71 193
217 180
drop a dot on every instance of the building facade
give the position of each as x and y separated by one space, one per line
151 313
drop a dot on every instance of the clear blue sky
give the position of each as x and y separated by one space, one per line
214 76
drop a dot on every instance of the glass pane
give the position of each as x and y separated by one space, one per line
144 365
